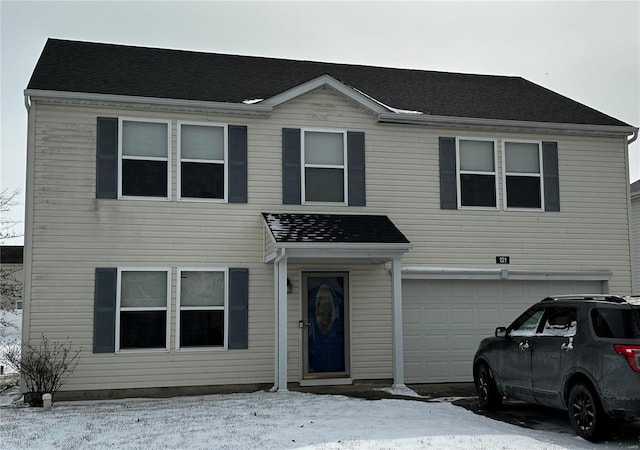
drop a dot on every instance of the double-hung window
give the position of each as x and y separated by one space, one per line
202 156
144 169
523 174
202 305
142 303
324 166
476 173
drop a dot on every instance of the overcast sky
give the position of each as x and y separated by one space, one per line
588 51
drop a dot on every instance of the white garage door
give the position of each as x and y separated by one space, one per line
444 320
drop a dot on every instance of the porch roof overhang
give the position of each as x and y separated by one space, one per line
338 236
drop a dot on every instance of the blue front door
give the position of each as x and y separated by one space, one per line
325 333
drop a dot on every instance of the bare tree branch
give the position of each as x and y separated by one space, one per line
7 202
44 367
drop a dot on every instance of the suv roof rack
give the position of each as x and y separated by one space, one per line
596 297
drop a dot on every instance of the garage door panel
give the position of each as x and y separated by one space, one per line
463 342
439 369
515 290
434 316
490 290
413 370
461 316
487 316
412 344
435 343
412 316
462 290
444 320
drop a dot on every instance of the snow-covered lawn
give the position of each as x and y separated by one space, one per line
264 420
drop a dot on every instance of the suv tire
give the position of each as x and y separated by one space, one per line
587 417
490 398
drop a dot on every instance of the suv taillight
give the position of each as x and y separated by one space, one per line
632 353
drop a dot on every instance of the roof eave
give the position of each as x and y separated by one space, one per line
218 107
505 125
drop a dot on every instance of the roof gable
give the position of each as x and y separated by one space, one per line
73 66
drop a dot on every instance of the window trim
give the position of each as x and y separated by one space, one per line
167 308
344 167
224 308
471 172
121 121
539 175
225 162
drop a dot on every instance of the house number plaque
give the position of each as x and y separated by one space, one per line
503 260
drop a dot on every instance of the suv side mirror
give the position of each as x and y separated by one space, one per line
501 332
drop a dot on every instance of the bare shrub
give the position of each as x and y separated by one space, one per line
44 368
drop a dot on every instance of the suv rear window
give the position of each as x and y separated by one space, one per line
616 323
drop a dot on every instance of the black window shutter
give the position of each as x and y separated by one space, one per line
237 164
551 176
448 182
355 163
238 308
104 312
291 176
107 158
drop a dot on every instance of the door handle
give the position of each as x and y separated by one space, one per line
524 345
303 324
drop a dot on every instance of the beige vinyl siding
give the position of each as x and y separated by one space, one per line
635 237
73 233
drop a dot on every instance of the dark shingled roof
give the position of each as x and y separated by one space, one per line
635 187
11 254
74 66
333 228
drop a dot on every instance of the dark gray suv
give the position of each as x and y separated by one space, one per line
580 353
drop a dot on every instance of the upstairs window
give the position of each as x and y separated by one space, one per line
523 175
144 158
324 167
202 156
476 173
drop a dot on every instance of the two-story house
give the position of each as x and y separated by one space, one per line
199 220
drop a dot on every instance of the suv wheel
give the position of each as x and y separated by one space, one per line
488 394
586 414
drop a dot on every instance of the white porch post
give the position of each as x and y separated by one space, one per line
276 331
398 356
282 324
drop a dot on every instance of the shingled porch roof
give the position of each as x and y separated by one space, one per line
334 235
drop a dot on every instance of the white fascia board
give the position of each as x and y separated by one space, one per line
198 105
331 83
506 125
360 251
449 273
374 255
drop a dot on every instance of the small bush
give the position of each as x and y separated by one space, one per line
44 368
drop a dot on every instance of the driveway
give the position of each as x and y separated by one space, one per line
464 395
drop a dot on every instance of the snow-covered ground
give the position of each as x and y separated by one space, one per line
264 420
